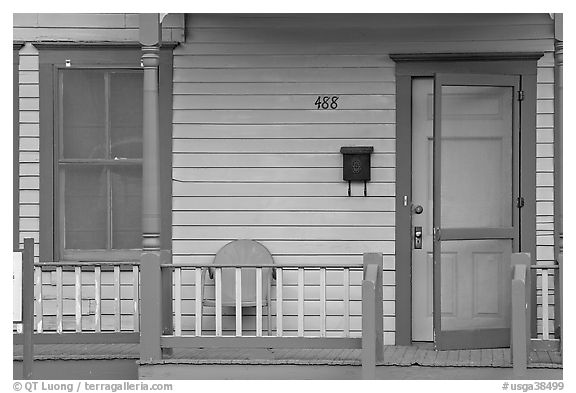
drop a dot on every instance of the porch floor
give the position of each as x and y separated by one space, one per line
416 355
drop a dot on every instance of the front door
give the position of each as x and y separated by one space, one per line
464 215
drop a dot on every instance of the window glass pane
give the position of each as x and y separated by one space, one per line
126 207
85 207
83 114
476 156
126 93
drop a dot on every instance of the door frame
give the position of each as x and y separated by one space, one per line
409 66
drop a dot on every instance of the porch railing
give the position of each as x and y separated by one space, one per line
62 301
549 308
291 285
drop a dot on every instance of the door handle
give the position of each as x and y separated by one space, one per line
417 238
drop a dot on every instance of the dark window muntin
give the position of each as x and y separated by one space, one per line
98 55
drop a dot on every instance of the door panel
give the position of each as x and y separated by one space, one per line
476 226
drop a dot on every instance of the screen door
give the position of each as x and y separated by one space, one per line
475 217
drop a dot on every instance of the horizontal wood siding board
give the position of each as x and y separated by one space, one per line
262 145
282 204
272 189
281 102
282 88
279 160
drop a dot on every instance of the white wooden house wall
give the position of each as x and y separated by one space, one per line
253 158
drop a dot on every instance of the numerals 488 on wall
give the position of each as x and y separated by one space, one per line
327 102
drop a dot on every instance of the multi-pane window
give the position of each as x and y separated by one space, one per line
99 160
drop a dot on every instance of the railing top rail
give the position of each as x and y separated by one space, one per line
255 265
544 266
87 263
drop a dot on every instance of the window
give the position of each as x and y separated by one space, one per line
99 160
91 150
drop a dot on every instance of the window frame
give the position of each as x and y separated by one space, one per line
54 57
59 161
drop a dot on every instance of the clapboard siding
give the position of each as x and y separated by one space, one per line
254 158
29 147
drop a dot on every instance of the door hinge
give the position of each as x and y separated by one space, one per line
520 95
520 202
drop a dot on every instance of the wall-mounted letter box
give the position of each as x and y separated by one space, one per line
356 164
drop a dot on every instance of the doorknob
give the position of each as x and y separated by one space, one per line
418 209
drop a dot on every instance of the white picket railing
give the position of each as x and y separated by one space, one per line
212 275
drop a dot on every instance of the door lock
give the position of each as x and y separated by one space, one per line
417 238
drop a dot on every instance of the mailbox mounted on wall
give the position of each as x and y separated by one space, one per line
356 164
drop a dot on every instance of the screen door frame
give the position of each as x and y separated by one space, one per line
481 337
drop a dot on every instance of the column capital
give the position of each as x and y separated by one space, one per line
559 52
150 56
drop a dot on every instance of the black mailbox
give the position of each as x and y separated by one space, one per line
356 164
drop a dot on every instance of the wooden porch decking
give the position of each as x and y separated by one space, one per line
416 355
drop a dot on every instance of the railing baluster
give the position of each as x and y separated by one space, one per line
59 300
136 296
323 302
346 284
545 329
279 301
178 301
78 298
97 299
259 301
300 301
218 299
117 326
39 310
198 300
238 287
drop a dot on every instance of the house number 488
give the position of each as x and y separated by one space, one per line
326 102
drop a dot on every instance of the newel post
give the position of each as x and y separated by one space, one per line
151 326
520 318
372 315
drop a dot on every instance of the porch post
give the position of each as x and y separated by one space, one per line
558 186
151 327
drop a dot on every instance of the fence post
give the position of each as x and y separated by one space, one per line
28 307
558 300
520 324
372 314
151 294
